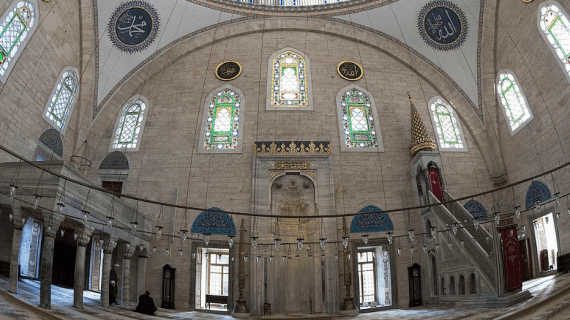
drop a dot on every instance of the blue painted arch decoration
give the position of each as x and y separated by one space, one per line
115 160
52 139
537 191
375 222
476 209
213 222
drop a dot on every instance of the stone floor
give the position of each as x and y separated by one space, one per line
547 303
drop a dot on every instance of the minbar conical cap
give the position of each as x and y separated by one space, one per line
420 137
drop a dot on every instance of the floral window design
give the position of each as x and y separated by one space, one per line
514 103
358 123
62 99
222 124
129 128
446 125
17 27
555 27
289 85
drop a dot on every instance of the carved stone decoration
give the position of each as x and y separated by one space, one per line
52 139
133 26
292 165
350 70
500 179
292 147
228 70
442 25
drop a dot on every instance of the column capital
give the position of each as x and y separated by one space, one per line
84 233
109 243
52 221
128 252
17 215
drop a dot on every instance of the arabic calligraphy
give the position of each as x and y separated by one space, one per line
350 70
228 70
443 25
133 26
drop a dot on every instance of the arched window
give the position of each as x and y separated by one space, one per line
130 124
515 107
461 284
434 275
452 286
555 29
18 25
289 83
472 284
358 123
222 122
62 100
447 128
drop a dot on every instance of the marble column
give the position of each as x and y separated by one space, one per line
108 246
83 237
127 255
51 224
141 272
15 253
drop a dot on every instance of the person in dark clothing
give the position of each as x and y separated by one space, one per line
146 304
113 285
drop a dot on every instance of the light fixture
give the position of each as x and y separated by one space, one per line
36 201
10 216
101 242
310 257
168 251
110 222
207 238
348 256
411 234
74 236
300 243
231 240
462 242
487 238
181 252
322 242
557 198
254 241
433 231
134 225
62 231
193 255
296 257
283 258
412 249
336 257
437 246
399 251
537 205
159 231
154 249
245 258
128 245
258 258
322 257
557 215
425 248
232 258
85 213
141 248
60 207
184 234
450 245
345 241
13 190
365 239
23 221
511 232
454 228
518 212
271 258
476 223
277 243
497 217
390 236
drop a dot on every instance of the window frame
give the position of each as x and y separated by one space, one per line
435 125
504 108
360 273
342 135
269 103
67 119
118 121
238 148
545 38
16 55
222 273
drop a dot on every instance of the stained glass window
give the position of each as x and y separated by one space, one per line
223 120
358 120
17 26
289 83
62 99
512 99
446 125
130 125
555 27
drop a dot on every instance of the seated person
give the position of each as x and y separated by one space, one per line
146 304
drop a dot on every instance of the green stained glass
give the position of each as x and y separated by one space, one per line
555 26
62 99
222 124
289 83
512 100
446 125
128 131
14 30
358 122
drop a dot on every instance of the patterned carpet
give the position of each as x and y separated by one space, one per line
62 306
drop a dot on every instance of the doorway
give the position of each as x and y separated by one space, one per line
374 277
546 242
212 279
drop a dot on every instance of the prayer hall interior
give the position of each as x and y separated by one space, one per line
284 159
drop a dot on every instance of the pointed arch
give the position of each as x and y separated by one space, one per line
222 121
213 222
513 101
476 209
130 125
18 25
52 140
537 192
554 26
447 127
358 120
289 81
375 222
62 100
115 160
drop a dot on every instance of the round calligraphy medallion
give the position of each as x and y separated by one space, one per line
228 70
442 25
133 26
350 70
